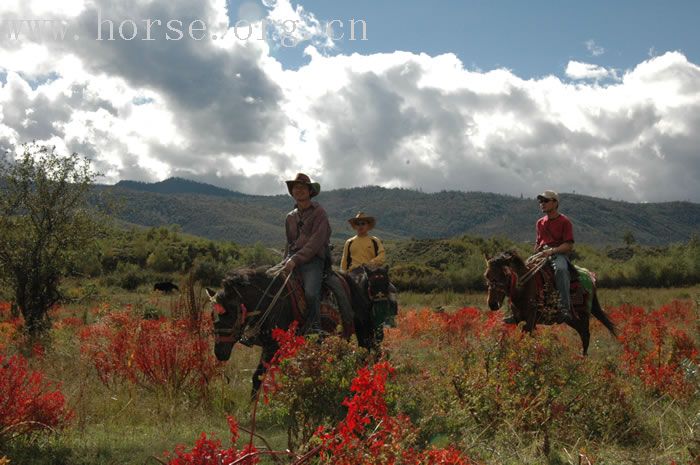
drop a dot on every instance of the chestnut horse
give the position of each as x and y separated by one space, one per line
504 274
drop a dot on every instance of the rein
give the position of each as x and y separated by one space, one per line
255 329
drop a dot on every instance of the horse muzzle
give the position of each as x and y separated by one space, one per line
222 351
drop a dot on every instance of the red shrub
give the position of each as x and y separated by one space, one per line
369 435
289 344
28 403
151 353
655 348
208 451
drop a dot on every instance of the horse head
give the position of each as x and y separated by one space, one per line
378 281
498 277
228 313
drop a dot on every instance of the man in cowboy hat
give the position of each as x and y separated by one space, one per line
308 234
363 249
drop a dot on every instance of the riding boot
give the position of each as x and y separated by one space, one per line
564 315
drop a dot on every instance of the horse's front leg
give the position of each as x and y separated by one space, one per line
265 357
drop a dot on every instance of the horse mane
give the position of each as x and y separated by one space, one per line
243 276
510 258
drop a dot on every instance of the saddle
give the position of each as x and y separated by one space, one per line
580 289
330 313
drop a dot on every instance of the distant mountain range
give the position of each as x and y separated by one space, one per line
218 213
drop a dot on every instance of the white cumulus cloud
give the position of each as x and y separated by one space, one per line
227 112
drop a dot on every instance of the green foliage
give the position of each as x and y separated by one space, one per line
130 276
259 255
45 226
458 264
313 385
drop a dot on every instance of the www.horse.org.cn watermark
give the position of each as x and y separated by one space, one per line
288 32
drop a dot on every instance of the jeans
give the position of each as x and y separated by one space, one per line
312 275
562 279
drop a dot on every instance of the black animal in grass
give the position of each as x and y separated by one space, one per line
166 287
240 307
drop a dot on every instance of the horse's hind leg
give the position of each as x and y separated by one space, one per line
581 327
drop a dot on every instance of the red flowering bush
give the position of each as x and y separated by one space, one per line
370 435
289 344
658 350
28 402
209 451
307 382
155 354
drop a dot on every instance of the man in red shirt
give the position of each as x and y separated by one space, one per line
555 239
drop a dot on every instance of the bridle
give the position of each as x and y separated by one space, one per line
236 332
501 288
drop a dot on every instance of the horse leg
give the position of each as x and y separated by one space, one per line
581 325
265 357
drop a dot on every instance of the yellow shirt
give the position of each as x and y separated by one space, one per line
360 251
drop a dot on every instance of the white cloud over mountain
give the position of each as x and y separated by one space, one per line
225 111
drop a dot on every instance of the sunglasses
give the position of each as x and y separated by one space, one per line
361 223
544 200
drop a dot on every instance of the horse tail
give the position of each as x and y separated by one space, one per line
598 312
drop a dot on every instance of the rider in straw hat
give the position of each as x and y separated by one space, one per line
308 234
363 249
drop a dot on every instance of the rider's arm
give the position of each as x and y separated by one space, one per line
564 248
344 260
381 255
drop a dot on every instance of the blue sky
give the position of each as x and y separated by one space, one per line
597 97
533 38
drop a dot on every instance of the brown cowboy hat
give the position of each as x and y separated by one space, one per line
370 220
314 187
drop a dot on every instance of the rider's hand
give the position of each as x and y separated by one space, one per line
548 252
289 266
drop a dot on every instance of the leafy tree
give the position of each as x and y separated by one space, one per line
44 225
628 238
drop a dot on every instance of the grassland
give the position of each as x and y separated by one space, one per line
127 424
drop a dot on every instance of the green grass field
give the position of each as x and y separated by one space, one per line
131 425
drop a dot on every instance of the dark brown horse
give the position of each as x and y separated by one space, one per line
242 307
505 277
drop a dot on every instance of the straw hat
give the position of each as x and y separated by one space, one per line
370 220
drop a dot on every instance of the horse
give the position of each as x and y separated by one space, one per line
254 289
370 289
507 275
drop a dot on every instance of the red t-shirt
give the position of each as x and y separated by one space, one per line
554 232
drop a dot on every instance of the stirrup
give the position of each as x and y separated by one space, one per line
511 320
564 316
